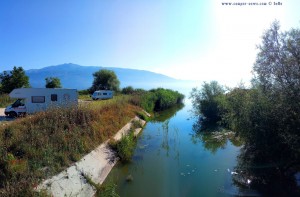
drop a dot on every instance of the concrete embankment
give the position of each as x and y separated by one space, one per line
96 165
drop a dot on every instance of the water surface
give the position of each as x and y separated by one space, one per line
170 160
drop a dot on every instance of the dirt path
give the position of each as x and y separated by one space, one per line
3 117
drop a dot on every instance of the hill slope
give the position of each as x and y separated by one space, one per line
81 77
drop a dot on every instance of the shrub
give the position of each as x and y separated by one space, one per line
207 101
125 147
156 99
5 100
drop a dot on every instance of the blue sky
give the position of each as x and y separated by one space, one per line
184 39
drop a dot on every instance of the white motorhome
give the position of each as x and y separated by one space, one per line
102 94
31 100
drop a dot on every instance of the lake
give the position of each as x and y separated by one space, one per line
172 160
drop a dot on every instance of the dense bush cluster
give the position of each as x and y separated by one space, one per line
155 99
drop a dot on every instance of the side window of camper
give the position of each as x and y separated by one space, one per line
53 97
105 93
38 99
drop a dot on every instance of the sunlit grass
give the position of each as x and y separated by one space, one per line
41 145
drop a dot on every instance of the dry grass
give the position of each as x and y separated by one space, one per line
39 146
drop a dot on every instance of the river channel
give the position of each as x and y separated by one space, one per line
171 160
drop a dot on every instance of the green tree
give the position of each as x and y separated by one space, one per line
128 90
13 79
277 70
105 80
206 101
52 82
267 116
278 61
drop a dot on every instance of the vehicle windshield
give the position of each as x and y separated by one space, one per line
17 103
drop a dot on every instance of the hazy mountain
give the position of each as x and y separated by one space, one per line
81 77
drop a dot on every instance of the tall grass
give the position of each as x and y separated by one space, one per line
41 145
126 145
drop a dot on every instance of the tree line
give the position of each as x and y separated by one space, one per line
16 78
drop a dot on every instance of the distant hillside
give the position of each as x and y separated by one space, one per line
81 77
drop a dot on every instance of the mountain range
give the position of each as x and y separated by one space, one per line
81 77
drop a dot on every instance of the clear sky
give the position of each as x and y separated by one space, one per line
184 39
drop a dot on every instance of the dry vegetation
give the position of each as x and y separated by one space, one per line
38 146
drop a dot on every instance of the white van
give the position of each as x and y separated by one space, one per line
102 94
31 100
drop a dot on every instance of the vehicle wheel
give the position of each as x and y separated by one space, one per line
13 114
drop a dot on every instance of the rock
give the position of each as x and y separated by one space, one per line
129 178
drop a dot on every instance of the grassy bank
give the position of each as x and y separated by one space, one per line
44 144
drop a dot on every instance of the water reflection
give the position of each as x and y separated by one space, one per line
167 114
268 176
213 136
166 163
257 172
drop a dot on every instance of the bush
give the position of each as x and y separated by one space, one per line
5 100
128 90
156 99
207 101
125 147
83 92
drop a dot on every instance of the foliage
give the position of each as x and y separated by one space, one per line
83 92
166 98
52 82
206 101
13 79
156 99
128 90
107 190
105 80
143 116
5 100
125 147
104 190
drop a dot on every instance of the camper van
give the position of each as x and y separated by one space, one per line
102 94
31 100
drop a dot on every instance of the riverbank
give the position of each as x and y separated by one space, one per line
40 146
95 166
